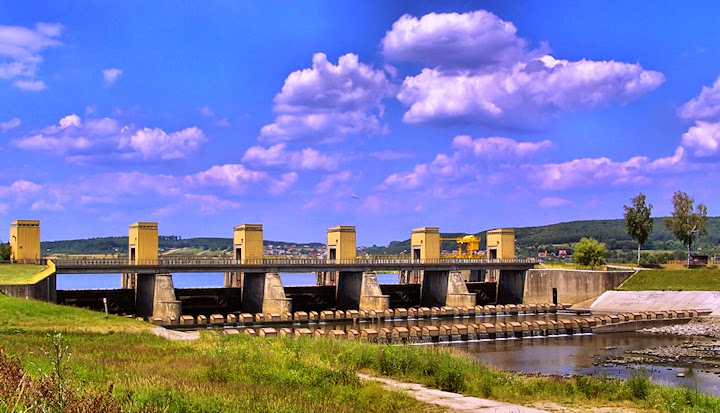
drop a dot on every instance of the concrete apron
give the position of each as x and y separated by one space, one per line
636 301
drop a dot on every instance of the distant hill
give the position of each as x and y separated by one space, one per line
529 240
552 238
108 245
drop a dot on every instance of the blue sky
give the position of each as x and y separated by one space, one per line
384 115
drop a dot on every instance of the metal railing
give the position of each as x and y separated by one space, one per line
269 262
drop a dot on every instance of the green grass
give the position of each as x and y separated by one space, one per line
18 273
700 279
29 315
239 373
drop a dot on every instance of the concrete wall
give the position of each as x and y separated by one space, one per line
573 286
44 290
348 290
511 287
434 288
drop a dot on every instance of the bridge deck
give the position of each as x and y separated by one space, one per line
194 264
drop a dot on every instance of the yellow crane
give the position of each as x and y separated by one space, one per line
468 246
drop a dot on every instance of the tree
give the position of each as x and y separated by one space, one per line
685 223
589 252
638 222
4 251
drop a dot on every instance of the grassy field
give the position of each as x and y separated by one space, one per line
135 371
699 279
18 273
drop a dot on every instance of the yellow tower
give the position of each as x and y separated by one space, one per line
425 243
143 243
248 242
341 243
501 244
25 240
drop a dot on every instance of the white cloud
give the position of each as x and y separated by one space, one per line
704 107
526 94
589 172
482 72
455 40
703 139
498 147
327 102
553 202
276 155
238 179
30 85
210 204
390 155
155 143
111 75
20 49
336 184
92 140
19 188
10 124
462 164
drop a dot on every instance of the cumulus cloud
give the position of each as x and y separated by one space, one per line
327 101
498 147
704 107
20 53
111 75
99 139
336 184
526 94
238 179
703 139
10 124
482 72
277 155
210 204
155 143
455 40
462 164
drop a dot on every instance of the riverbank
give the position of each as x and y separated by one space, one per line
695 352
121 359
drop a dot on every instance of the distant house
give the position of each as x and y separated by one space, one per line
562 253
699 259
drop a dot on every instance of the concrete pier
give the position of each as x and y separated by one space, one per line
264 293
441 288
155 297
360 291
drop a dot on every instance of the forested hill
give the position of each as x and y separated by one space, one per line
529 240
109 245
551 238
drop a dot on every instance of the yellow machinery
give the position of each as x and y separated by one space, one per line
468 246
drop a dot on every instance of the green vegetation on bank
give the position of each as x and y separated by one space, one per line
699 279
126 368
18 273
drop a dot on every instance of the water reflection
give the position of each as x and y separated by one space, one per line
579 355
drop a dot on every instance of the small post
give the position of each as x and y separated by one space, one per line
106 308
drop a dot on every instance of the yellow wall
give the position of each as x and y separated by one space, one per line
502 242
144 237
427 240
25 240
343 238
249 239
